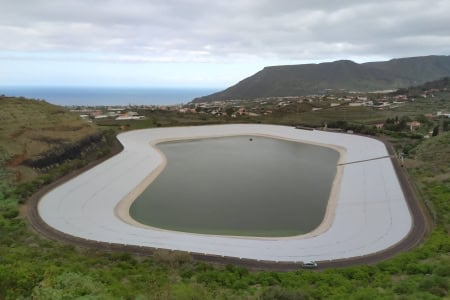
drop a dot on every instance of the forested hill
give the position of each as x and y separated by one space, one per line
296 80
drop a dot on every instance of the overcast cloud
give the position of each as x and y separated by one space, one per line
221 32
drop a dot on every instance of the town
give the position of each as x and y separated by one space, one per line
388 107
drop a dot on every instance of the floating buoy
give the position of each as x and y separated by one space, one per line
250 139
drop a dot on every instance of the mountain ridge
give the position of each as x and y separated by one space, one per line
304 79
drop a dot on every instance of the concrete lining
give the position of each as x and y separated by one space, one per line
371 213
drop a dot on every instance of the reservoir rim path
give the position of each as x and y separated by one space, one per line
413 237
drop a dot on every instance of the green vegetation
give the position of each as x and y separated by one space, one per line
431 168
40 142
33 267
31 127
419 90
160 118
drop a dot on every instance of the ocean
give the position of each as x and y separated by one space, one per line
92 96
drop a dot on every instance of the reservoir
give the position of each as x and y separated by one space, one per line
240 185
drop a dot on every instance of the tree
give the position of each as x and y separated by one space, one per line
70 286
229 111
435 131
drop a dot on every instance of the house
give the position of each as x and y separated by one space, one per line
101 117
242 111
126 117
413 125
401 97
440 113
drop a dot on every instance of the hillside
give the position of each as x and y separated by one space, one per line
439 84
37 135
296 80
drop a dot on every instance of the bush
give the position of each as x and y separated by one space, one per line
277 293
70 286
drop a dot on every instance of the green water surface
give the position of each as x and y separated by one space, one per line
243 185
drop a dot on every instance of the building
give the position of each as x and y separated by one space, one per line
414 125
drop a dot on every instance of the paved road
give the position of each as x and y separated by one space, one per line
421 225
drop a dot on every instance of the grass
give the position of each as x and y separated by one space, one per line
433 175
356 115
29 128
359 115
434 154
426 105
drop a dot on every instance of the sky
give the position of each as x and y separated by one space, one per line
204 43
